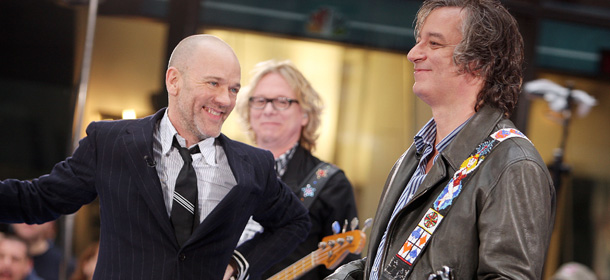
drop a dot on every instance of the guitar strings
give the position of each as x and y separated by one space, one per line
318 256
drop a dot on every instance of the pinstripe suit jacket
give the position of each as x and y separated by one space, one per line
137 240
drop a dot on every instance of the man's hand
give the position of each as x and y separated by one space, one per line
231 272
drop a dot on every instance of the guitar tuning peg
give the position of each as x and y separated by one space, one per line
336 227
322 245
344 226
367 223
354 223
340 241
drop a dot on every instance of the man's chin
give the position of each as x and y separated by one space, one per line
202 136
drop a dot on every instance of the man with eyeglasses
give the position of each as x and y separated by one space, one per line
281 112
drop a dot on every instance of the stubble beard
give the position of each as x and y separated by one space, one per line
191 123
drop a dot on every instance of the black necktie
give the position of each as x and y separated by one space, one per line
184 208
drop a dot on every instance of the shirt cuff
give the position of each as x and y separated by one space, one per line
242 266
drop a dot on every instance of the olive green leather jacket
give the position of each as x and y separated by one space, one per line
498 228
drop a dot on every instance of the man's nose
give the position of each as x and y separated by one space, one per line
415 54
223 97
269 108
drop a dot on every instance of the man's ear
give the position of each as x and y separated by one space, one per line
305 119
172 80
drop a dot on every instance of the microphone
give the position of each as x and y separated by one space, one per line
150 161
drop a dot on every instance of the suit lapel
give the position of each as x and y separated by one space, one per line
243 171
138 144
397 180
475 131
436 175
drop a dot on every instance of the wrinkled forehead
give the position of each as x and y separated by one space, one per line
443 24
210 61
425 13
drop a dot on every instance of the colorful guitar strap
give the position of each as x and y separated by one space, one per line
402 263
315 182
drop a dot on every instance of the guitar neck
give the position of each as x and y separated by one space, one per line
297 269
332 250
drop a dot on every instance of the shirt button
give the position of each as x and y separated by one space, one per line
182 257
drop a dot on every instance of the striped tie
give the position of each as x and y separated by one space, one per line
184 209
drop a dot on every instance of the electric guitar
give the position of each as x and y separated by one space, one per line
331 251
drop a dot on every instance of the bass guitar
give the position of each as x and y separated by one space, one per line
331 251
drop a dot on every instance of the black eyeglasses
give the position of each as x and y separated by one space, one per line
279 103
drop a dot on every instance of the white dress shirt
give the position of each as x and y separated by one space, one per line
214 176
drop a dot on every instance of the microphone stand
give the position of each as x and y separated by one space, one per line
558 168
67 221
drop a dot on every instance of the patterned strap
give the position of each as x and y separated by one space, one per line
315 181
402 263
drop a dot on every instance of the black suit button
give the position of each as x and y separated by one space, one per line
182 257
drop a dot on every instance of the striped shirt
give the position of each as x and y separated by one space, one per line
281 162
423 141
214 176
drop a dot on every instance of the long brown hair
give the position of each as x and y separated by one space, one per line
491 47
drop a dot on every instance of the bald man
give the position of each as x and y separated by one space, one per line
136 166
